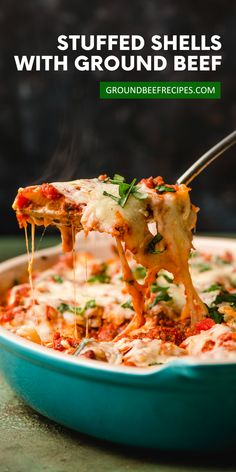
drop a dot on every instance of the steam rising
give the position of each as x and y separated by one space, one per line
64 163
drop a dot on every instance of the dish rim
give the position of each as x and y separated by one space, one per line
24 348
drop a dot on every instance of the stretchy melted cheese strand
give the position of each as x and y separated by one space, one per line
30 255
135 290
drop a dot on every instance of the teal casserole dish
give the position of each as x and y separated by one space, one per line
183 406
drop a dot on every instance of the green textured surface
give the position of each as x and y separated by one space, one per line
29 442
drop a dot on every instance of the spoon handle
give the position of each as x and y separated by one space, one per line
207 158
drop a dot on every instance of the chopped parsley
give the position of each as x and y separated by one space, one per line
77 310
102 278
223 296
162 294
82 345
202 267
220 260
194 253
125 190
213 288
139 272
117 179
127 304
151 247
116 199
167 278
57 279
215 315
65 307
164 188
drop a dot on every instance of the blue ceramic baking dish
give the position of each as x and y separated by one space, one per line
182 406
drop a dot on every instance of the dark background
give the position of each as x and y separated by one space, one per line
54 126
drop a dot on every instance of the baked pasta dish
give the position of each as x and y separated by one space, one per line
156 299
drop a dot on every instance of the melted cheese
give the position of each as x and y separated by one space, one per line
172 213
137 346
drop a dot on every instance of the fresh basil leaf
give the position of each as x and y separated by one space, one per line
225 296
128 304
119 178
125 190
63 307
90 304
162 295
213 288
102 278
194 254
164 188
202 267
116 199
221 260
158 288
124 199
168 279
57 279
214 314
77 310
139 195
222 297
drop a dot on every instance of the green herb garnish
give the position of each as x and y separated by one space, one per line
225 296
125 190
139 195
151 247
214 314
164 188
139 272
90 304
116 199
128 304
82 345
167 278
77 310
193 254
162 294
213 288
57 279
221 260
204 267
102 278
65 307
201 267
117 179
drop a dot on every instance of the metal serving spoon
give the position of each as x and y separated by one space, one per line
207 158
